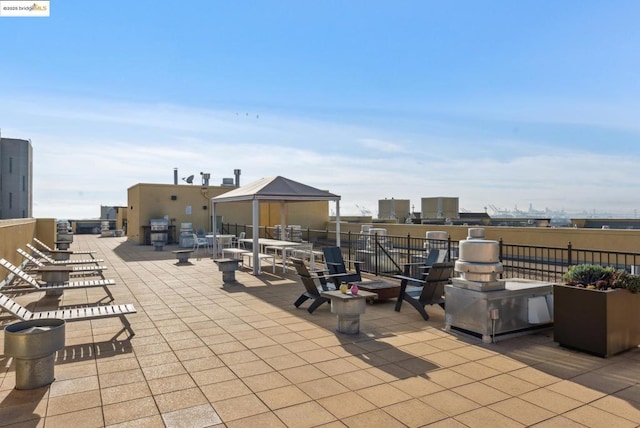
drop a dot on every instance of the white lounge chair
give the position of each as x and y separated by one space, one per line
62 262
79 269
81 313
49 249
35 285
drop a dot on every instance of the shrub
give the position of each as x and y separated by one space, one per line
601 278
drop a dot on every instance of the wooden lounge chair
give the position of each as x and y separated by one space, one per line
429 291
337 268
49 249
81 313
79 269
312 291
62 262
35 285
420 269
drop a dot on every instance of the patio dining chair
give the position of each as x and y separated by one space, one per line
237 241
200 242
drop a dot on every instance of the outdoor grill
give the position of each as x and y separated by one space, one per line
159 228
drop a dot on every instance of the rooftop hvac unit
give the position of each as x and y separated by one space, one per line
228 182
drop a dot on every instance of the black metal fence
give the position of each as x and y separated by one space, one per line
387 255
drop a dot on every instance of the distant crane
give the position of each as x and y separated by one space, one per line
363 210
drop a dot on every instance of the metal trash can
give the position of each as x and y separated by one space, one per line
33 344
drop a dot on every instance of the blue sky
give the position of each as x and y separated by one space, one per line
503 103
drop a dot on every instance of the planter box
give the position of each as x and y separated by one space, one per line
603 323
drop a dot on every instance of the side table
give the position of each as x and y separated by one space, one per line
348 308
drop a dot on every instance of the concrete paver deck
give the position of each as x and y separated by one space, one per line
207 353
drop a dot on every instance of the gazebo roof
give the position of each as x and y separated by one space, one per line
276 188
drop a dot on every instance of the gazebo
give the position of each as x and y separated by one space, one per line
273 189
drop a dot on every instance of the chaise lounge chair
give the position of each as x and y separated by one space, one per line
88 269
35 285
312 291
49 249
81 313
429 291
62 262
337 268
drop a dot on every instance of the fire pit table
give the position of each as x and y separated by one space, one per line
384 290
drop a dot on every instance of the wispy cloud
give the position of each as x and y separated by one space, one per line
87 153
381 146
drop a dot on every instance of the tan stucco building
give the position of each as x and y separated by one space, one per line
191 204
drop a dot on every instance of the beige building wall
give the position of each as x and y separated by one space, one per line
595 239
16 233
394 209
440 207
191 204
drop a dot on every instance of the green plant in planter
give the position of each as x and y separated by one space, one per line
601 278
623 279
589 276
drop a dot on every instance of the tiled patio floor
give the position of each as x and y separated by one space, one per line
208 354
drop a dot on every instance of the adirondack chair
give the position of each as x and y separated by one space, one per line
82 313
34 285
337 268
419 269
429 291
312 291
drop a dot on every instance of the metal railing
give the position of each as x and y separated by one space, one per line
386 255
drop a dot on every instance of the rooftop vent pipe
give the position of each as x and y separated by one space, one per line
175 176
236 172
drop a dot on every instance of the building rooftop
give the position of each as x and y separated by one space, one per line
212 354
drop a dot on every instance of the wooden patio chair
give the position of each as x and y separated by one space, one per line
49 249
79 269
429 291
34 285
81 313
62 262
419 269
337 268
312 290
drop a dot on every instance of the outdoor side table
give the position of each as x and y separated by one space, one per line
54 275
348 308
62 245
228 267
61 255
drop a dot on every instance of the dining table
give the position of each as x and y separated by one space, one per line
276 245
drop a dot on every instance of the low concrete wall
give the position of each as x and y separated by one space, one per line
595 239
16 233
